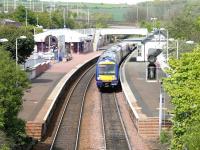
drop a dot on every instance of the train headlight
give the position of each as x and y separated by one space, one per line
98 78
114 78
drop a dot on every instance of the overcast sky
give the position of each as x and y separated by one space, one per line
103 1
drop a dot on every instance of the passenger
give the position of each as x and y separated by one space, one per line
55 51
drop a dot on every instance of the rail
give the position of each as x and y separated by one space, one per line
58 92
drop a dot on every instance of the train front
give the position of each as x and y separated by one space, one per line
107 74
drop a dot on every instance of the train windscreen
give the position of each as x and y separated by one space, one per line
107 69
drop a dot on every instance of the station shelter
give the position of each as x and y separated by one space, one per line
75 42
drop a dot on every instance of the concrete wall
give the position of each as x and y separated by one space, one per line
37 70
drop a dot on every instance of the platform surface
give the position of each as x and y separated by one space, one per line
42 86
146 92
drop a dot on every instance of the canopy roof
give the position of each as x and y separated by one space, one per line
70 35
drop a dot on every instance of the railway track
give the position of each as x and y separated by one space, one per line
67 134
115 134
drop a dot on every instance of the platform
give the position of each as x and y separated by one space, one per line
143 97
42 86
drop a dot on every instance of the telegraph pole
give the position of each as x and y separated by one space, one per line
26 17
42 6
137 15
37 20
30 4
33 6
88 17
77 11
67 9
7 6
147 17
4 4
14 4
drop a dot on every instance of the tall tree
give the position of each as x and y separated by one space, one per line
24 46
21 13
13 81
183 88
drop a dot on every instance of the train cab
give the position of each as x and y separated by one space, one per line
107 71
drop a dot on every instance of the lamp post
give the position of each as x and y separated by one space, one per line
189 42
154 22
177 45
26 17
3 40
88 17
160 107
64 18
16 51
163 29
50 42
137 15
37 27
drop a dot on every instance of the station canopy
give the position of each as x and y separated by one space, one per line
70 35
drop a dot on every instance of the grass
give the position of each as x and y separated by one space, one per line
116 10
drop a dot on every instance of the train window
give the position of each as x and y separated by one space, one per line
107 69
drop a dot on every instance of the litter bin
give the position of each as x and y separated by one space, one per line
151 73
60 58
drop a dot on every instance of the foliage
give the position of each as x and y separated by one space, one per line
4 147
186 25
147 25
101 19
20 15
55 19
192 136
13 81
183 88
164 137
24 46
43 19
48 19
4 141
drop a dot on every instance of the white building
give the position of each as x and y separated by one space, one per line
154 40
73 40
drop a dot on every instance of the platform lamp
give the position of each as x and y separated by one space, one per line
3 40
177 45
163 29
16 50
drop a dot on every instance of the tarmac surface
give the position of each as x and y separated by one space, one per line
42 86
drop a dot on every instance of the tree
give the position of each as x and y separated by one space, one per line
13 81
183 88
44 19
25 46
146 24
186 25
20 15
101 19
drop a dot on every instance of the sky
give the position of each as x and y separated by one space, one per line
103 1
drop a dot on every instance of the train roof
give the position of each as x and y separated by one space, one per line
109 55
122 44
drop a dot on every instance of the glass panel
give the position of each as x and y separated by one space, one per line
106 69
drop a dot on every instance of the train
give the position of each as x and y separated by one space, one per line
107 66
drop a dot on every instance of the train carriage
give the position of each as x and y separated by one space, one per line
107 70
107 67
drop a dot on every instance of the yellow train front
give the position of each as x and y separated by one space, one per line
107 70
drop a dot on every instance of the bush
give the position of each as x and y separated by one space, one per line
164 137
